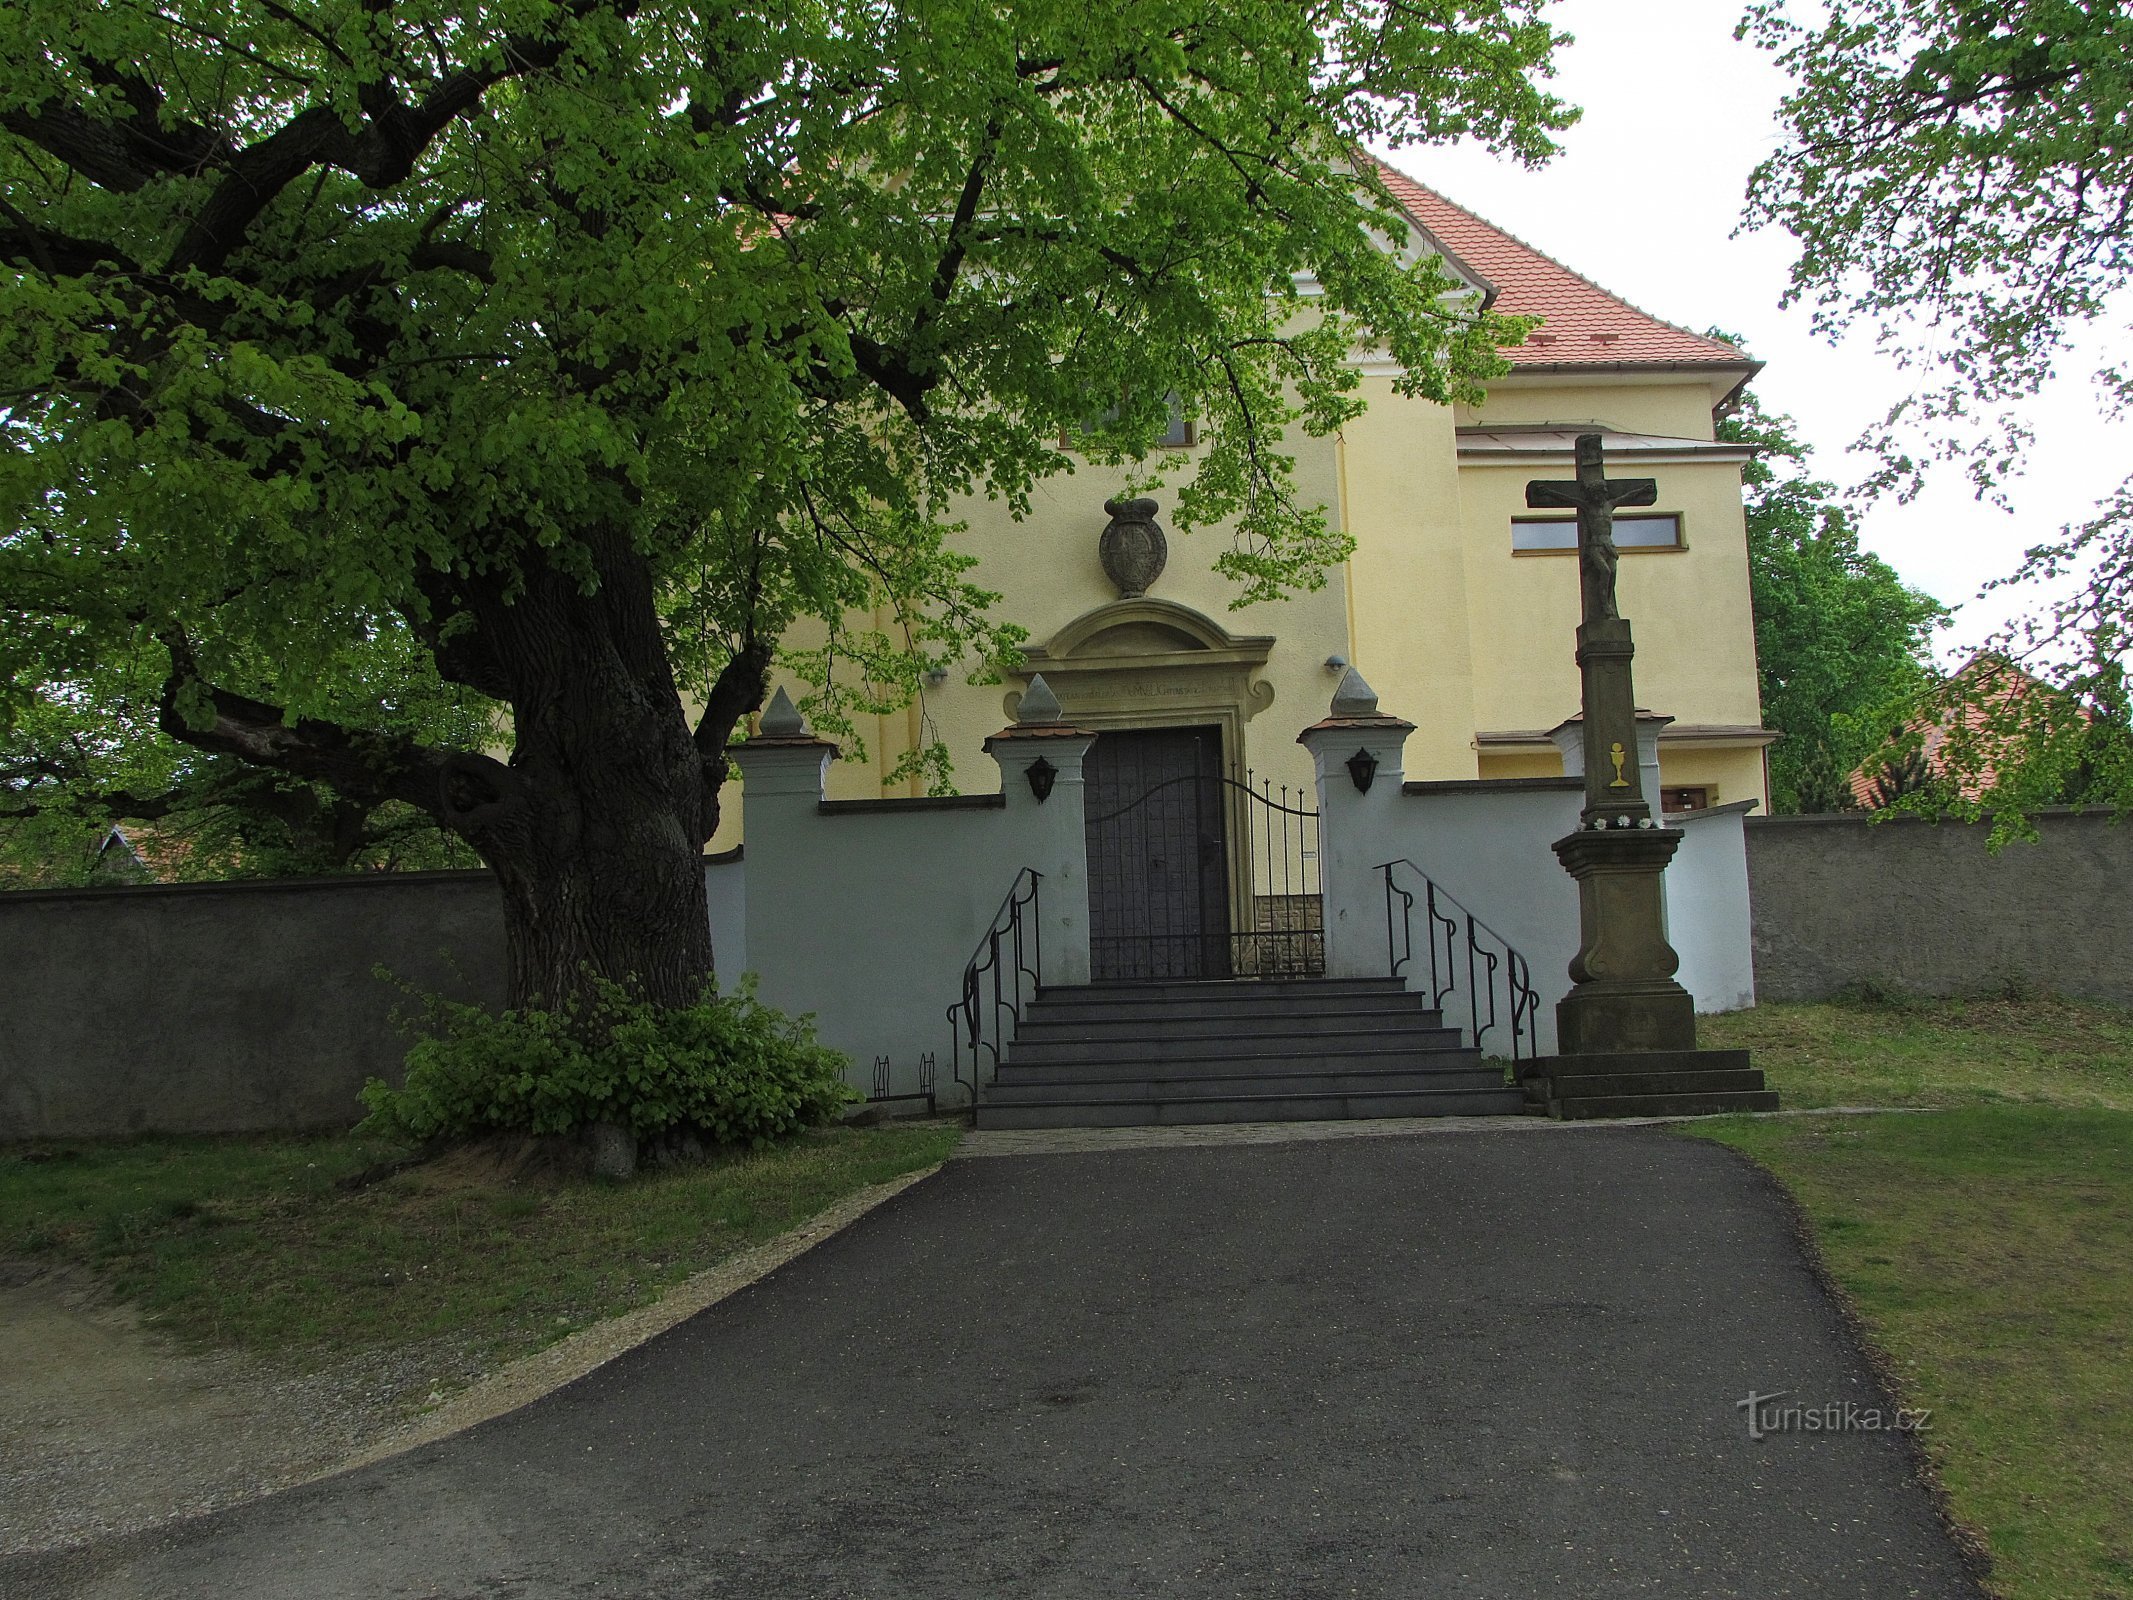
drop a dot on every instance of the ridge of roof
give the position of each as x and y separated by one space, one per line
1606 329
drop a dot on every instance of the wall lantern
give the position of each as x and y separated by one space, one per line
1042 775
1362 767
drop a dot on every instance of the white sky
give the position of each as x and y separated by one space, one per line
1644 200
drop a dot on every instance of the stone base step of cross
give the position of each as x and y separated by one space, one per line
1653 1083
1664 1105
1614 1085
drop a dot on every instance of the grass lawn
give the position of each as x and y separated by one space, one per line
1988 1248
253 1243
1937 1052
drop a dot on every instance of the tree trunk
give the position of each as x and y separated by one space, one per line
598 846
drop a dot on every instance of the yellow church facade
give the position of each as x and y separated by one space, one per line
1458 604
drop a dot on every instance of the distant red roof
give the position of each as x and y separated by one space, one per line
1584 326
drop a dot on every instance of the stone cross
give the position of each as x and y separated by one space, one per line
1623 996
1614 794
1594 497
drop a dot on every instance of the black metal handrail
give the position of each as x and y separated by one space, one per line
1487 952
1010 952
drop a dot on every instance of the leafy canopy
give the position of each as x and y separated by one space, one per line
1841 641
321 320
1959 177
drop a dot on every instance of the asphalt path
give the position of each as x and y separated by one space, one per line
1482 1364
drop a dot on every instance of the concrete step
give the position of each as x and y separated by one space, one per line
1163 1022
1589 1086
1664 1105
1266 1044
1247 991
1236 1063
1117 1112
1156 1085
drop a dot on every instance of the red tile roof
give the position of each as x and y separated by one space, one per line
1584 326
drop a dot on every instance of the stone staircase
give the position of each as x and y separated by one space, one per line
1285 1050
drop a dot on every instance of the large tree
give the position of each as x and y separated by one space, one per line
597 341
1842 643
1959 177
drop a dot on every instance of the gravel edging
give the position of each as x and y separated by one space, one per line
80 1477
990 1142
530 1377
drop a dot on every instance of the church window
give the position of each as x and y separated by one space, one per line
1177 436
1540 535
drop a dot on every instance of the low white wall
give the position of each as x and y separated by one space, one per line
726 888
1707 908
865 913
1486 844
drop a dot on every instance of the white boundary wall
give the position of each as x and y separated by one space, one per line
866 912
1707 908
1487 843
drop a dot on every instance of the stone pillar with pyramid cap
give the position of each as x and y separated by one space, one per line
1352 743
1626 1030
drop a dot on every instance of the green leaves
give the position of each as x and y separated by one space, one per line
1842 643
1960 178
316 318
727 1069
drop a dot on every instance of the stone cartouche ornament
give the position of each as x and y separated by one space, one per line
1132 549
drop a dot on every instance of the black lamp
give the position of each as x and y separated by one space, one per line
1362 767
1042 775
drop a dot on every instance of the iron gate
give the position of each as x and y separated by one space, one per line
1169 895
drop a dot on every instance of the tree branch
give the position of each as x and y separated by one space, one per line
473 795
381 154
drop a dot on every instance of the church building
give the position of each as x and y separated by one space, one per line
1369 783
1458 605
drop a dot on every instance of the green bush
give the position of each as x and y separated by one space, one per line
726 1069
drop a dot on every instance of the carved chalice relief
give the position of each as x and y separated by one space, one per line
1132 549
1618 755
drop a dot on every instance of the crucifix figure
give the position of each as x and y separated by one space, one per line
1614 796
1594 498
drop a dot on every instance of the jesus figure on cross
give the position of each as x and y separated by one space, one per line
1594 497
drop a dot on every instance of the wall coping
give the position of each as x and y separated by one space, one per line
349 880
923 802
344 880
1736 808
1493 786
1869 819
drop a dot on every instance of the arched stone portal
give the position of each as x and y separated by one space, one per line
1147 663
1183 886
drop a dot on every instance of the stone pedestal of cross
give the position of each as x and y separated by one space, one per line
1626 1030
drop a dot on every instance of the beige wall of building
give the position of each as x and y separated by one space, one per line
1457 633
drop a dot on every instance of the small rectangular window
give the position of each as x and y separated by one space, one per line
1661 532
1675 801
1177 436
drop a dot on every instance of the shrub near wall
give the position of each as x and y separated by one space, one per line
1839 901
